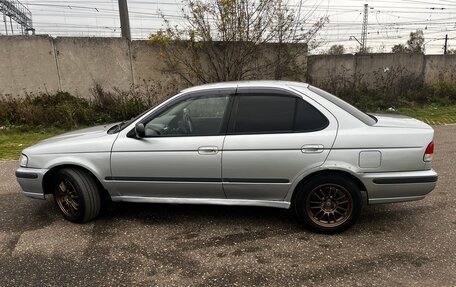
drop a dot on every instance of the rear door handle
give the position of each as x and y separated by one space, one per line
207 150
312 148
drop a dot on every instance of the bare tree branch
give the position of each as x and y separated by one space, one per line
224 40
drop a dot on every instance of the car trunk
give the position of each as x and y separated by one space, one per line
399 121
400 140
414 133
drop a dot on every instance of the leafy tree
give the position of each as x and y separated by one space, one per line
367 50
416 42
414 45
399 48
223 40
336 50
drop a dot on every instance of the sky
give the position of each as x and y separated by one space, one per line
389 21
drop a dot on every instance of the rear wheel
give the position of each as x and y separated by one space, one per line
329 203
76 195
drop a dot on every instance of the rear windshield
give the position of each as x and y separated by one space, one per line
365 118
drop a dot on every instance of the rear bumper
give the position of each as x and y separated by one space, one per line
398 186
31 181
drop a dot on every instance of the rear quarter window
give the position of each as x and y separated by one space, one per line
365 118
308 118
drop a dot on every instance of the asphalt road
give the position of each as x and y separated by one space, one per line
407 244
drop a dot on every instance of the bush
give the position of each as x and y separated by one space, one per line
381 89
63 110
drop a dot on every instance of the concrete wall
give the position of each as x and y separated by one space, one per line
84 62
379 70
372 68
33 64
331 70
44 64
27 65
440 67
146 62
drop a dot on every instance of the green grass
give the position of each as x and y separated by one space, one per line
15 139
433 115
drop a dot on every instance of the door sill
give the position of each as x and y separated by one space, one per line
212 201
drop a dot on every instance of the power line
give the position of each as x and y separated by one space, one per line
396 18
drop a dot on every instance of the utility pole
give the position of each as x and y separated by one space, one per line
124 19
445 51
6 25
364 29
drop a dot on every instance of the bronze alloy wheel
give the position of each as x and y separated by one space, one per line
67 198
76 194
329 205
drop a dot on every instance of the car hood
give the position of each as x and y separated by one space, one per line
399 121
94 139
82 133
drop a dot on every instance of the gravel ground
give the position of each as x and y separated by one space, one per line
407 244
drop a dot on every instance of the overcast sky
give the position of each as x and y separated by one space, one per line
390 21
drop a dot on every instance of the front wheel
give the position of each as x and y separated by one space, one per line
328 203
76 195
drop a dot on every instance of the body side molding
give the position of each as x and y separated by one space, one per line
214 201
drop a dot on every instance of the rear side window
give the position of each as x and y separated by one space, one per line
308 118
272 113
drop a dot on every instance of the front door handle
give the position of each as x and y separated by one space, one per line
312 148
207 150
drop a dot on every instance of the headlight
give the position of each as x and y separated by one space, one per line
23 160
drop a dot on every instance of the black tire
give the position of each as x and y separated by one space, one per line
328 203
76 195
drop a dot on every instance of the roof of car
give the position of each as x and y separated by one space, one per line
239 84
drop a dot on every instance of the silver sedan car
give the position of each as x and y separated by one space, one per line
260 143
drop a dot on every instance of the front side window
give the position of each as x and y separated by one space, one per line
269 113
192 117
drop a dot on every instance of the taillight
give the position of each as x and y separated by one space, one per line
429 153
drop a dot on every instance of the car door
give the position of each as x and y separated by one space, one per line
273 137
180 156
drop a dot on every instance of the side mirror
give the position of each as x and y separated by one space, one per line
140 130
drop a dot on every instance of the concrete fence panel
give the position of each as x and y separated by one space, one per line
27 65
331 71
147 63
34 64
440 68
84 62
373 68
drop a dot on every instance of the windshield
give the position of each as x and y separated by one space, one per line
120 126
126 123
365 118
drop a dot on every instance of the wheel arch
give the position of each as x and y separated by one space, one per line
47 178
323 172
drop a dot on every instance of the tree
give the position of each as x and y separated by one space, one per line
367 50
336 50
414 45
223 40
416 42
399 48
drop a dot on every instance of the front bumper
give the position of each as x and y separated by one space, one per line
398 186
31 181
